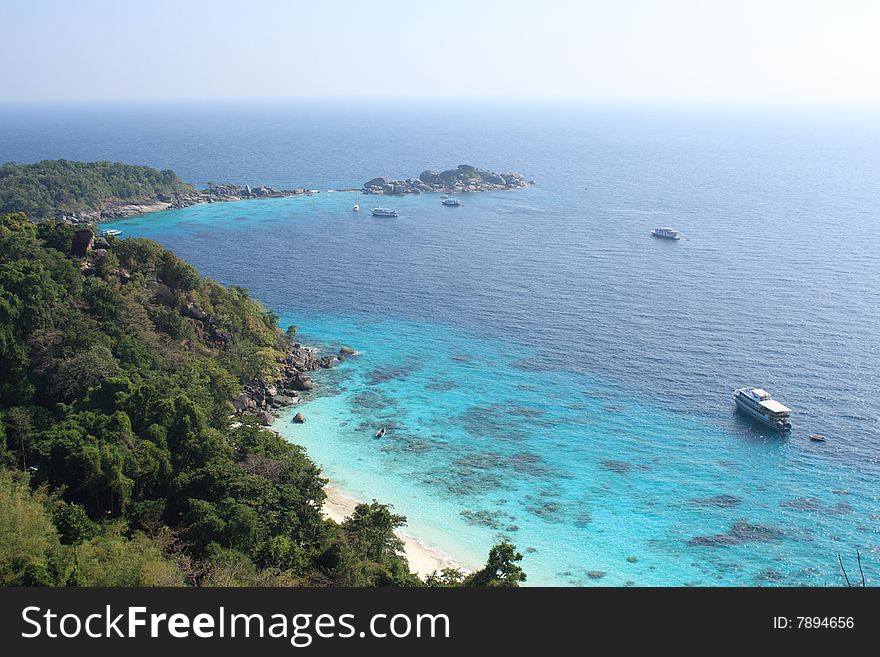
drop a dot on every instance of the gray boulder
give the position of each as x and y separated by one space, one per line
265 418
302 382
193 311
82 242
162 294
240 403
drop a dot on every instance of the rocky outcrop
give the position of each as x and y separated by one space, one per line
162 294
262 398
301 382
463 178
265 418
192 311
83 240
299 418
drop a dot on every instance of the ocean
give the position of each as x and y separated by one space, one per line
547 372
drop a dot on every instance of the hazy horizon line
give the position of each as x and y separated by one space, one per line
453 100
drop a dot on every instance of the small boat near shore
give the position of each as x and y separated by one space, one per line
451 202
816 438
383 212
758 403
356 207
380 433
666 233
109 232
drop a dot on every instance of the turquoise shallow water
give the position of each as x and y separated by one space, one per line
547 371
499 435
581 474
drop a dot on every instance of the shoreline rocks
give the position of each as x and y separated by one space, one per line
263 398
463 178
224 193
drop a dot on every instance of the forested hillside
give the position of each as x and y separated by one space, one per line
121 461
52 187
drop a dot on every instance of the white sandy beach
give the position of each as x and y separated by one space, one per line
423 559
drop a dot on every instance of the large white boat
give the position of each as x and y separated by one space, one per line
760 405
668 233
451 202
382 212
110 232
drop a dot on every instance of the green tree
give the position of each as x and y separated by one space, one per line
501 569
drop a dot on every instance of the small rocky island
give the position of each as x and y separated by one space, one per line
464 178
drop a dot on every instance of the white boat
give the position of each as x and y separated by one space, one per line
668 233
451 202
356 208
380 433
758 403
383 212
109 232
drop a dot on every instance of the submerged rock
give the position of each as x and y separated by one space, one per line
620 467
717 501
482 518
741 532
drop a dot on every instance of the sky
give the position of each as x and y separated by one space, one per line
741 51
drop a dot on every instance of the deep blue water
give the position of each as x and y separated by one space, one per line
549 372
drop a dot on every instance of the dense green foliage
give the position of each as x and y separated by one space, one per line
50 187
119 461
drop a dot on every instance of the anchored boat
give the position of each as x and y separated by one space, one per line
668 233
382 212
760 405
451 202
109 232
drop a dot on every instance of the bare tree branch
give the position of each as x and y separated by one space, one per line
840 561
